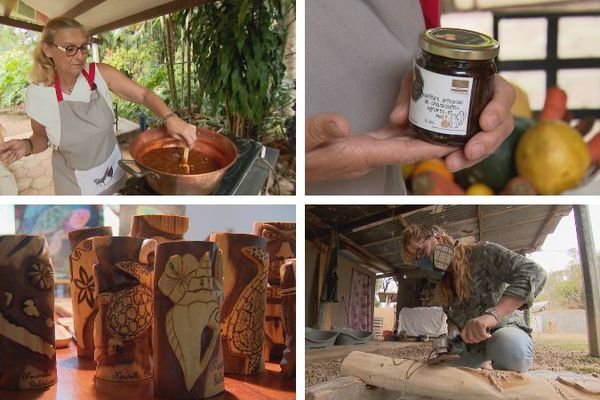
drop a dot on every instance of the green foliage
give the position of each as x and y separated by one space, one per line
140 64
14 68
238 50
564 288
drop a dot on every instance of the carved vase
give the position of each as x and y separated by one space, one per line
245 265
81 261
162 228
123 325
288 304
281 245
188 293
27 351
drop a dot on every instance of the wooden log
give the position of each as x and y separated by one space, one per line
288 304
188 292
162 228
27 350
281 245
443 382
351 388
123 325
81 263
245 265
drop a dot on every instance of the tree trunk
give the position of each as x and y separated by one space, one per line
443 382
168 24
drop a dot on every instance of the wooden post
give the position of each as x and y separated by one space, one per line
188 291
83 298
123 325
288 302
161 228
245 264
281 244
591 280
27 353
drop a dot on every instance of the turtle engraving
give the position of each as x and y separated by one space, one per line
130 313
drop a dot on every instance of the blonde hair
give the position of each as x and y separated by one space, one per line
457 278
43 71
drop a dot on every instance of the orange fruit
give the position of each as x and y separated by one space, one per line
436 165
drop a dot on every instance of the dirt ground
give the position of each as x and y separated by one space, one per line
552 353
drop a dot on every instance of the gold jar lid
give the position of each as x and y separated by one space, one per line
460 44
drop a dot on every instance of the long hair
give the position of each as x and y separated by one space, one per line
455 282
43 71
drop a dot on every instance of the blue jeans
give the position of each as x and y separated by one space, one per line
509 348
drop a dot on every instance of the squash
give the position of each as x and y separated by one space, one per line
496 170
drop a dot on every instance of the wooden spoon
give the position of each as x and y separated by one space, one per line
184 161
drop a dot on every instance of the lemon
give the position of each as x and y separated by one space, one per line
552 156
479 189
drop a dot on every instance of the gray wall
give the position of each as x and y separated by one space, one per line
233 218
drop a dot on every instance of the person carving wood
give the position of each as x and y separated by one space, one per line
480 286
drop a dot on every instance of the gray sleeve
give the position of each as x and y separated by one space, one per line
525 278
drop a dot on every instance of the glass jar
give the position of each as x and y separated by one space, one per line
453 81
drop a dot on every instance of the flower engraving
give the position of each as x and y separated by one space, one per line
85 284
41 275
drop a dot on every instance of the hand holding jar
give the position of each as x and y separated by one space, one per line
456 98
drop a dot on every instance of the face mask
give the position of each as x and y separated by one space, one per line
435 266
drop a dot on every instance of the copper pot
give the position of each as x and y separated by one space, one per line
210 143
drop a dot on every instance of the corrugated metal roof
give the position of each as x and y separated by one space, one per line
97 16
378 229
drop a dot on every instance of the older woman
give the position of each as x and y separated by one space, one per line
480 286
70 107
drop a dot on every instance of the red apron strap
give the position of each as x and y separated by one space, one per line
59 95
90 76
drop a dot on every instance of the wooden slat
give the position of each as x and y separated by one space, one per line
82 7
20 24
150 13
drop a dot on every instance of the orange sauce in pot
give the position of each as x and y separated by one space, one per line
168 160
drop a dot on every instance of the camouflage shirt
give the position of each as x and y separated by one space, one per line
497 272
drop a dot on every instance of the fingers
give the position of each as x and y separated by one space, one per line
474 332
189 136
324 128
498 109
358 154
399 115
480 146
9 152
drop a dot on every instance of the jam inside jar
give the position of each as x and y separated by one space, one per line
452 83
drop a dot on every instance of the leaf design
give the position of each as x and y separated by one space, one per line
173 340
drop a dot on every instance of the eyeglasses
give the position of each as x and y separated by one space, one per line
71 49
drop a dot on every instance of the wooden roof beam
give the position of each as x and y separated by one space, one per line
82 8
150 13
20 24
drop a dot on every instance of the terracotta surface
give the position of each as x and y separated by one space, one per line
245 264
162 228
81 263
76 382
281 244
123 324
27 354
186 336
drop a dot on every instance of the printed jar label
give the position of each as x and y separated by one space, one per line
440 103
